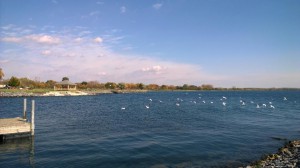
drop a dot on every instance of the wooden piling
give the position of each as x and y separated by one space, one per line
32 126
25 109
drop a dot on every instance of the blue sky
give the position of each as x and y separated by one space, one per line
225 43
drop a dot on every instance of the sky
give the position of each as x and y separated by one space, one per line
230 43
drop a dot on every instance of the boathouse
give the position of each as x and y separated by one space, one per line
65 84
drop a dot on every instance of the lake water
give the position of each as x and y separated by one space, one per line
96 131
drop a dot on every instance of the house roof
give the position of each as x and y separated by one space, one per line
65 82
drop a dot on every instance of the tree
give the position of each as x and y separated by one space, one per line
110 85
207 87
50 83
84 83
14 82
121 86
1 74
65 78
141 86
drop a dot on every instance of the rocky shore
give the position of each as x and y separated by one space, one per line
286 157
66 93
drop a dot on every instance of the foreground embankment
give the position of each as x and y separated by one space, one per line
287 156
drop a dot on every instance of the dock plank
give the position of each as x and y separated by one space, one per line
13 126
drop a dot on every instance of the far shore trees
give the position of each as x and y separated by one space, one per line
14 82
1 74
27 83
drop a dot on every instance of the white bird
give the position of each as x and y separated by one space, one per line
224 104
241 101
194 102
123 108
150 99
211 102
160 101
203 101
177 104
224 97
243 104
251 102
284 98
257 106
272 106
147 107
270 102
264 105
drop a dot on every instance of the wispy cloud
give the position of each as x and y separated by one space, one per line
99 3
11 39
157 6
54 1
123 9
82 58
93 13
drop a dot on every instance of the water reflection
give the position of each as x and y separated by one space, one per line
18 151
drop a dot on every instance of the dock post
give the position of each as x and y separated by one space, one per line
25 109
32 119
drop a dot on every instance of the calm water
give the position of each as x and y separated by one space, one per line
94 131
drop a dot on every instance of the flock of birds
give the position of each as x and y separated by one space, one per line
222 100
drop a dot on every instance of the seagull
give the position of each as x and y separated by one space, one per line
264 105
123 108
272 106
150 99
177 104
257 106
243 104
284 98
147 107
203 101
270 102
251 102
160 101
224 97
194 102
224 104
211 102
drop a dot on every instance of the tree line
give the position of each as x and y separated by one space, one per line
26 83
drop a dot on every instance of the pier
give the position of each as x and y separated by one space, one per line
11 128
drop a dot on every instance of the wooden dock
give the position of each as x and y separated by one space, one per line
11 128
14 126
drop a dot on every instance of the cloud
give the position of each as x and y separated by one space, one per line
78 40
91 61
94 13
98 40
45 39
157 6
99 3
11 39
157 69
46 52
123 9
54 1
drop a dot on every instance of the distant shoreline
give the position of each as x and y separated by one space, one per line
42 93
28 93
